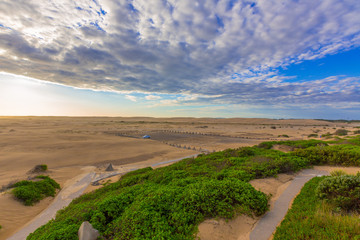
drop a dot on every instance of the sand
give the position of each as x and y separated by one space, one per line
348 170
71 146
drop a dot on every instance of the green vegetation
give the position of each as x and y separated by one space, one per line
345 155
341 191
43 167
340 121
341 132
357 132
295 144
327 207
353 140
284 135
337 173
30 192
311 218
170 202
313 135
326 135
39 168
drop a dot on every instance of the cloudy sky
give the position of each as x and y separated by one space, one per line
214 58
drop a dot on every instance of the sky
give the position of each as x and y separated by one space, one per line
168 58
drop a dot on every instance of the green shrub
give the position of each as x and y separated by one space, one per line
357 132
30 192
43 167
313 135
284 135
346 155
39 168
326 135
342 191
354 140
337 173
295 144
341 132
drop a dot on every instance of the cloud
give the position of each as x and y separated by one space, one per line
152 97
227 49
131 98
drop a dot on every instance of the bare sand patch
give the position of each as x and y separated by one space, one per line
238 228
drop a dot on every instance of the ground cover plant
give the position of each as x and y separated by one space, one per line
341 132
169 202
342 191
313 218
30 192
284 135
313 135
294 144
343 154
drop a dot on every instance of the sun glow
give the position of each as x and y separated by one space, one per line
24 97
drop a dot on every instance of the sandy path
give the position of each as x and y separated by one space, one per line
72 191
268 223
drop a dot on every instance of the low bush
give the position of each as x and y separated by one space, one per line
341 132
42 167
337 173
342 191
326 135
30 192
295 144
39 168
284 135
346 155
313 135
354 140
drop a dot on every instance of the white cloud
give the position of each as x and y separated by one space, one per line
131 98
152 97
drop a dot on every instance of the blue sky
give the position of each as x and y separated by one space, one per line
223 58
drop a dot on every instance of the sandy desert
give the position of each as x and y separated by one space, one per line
71 146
